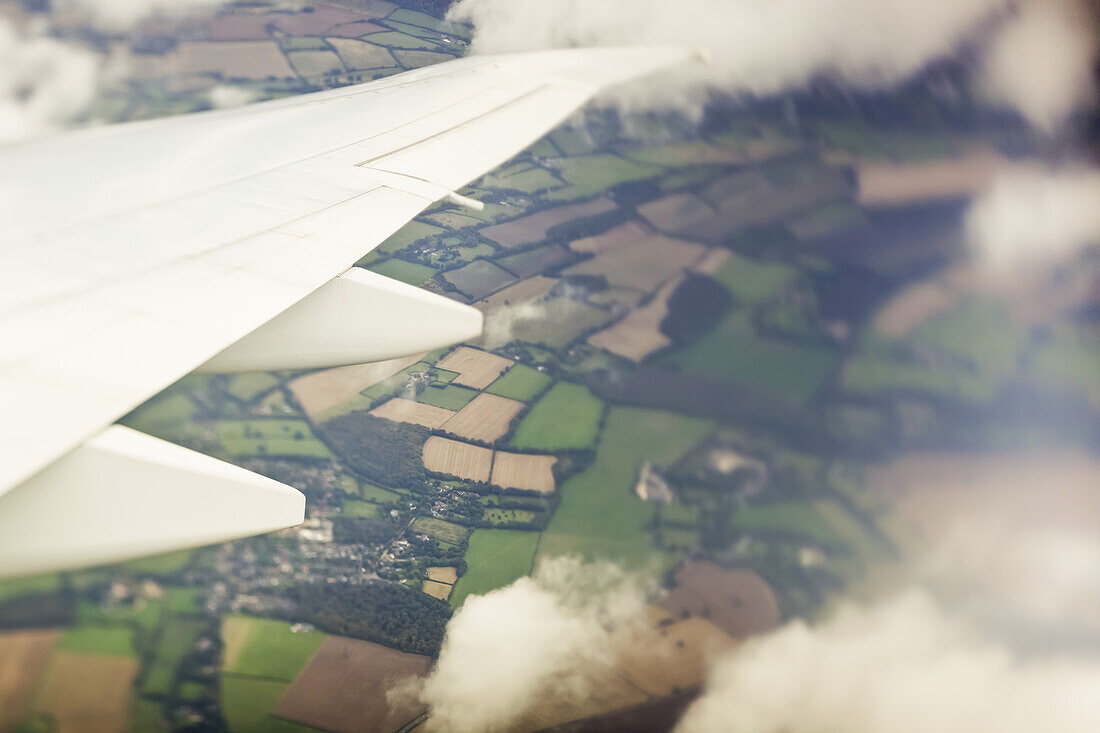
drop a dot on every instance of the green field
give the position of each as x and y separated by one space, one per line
143 613
274 437
600 515
112 641
246 702
450 397
494 558
183 600
177 638
164 564
26 586
732 352
406 272
502 516
273 651
752 281
592 174
521 382
568 416
247 386
354 508
370 492
441 530
796 518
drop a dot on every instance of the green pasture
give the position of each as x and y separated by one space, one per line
494 559
568 416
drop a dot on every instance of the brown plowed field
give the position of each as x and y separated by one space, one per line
401 410
457 459
344 687
477 369
23 657
443 574
672 657
519 471
533 228
485 418
643 265
525 291
442 591
737 601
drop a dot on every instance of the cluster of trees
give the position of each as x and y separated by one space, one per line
382 612
694 308
379 450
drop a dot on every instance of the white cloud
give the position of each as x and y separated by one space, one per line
1034 214
43 83
1040 62
899 667
121 15
539 639
224 96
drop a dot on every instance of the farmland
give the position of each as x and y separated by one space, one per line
23 659
643 264
274 437
448 397
475 368
454 534
321 391
77 688
639 334
567 416
269 648
457 459
738 601
521 471
401 410
521 383
486 418
495 558
346 683
599 515
535 227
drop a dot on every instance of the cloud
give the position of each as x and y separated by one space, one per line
1033 214
1040 62
540 639
43 83
224 96
901 666
768 47
121 15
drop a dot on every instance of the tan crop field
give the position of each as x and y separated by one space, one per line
534 228
444 574
457 459
520 471
344 686
319 391
896 184
23 658
639 334
477 369
231 59
678 212
442 591
525 291
87 692
401 410
485 418
677 656
738 601
620 236
642 265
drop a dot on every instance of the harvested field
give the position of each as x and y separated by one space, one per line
485 418
678 212
534 228
233 59
520 471
320 391
457 459
442 591
522 292
738 601
663 660
445 574
913 306
532 262
639 334
479 278
344 687
642 265
361 55
477 369
87 692
712 261
889 184
621 236
401 410
234 635
23 658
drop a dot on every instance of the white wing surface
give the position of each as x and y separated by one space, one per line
131 255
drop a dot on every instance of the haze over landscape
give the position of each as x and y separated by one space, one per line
785 417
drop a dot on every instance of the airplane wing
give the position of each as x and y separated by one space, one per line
134 254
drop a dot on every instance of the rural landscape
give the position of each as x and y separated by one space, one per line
709 344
